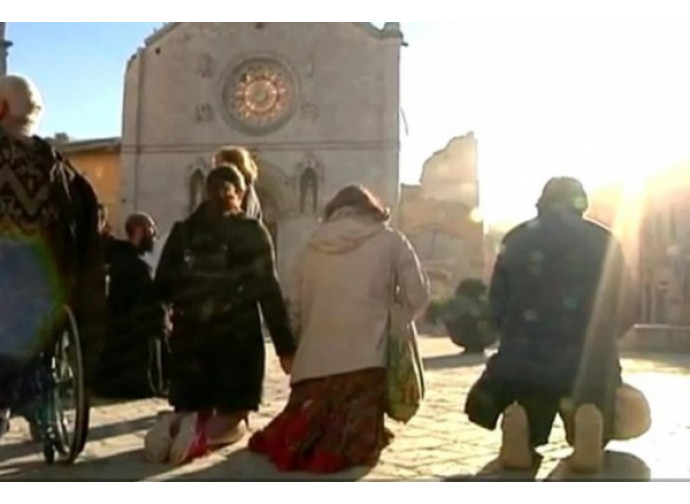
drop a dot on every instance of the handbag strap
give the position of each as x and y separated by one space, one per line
393 294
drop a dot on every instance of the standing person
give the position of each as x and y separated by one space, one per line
560 297
340 310
50 251
105 231
216 269
130 364
242 159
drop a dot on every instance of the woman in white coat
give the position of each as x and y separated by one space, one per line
340 308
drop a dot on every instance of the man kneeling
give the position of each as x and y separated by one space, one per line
560 298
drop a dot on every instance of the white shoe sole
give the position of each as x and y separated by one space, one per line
588 454
515 449
183 440
158 440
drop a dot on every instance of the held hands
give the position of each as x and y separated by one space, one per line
286 364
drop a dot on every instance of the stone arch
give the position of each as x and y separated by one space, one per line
197 189
309 191
309 180
196 183
272 183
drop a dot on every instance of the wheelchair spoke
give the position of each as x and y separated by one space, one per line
64 408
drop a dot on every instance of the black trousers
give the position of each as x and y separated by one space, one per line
489 397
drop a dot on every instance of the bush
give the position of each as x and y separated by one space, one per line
465 316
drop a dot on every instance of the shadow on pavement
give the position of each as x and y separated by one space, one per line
454 361
20 450
125 466
242 465
493 471
120 428
618 466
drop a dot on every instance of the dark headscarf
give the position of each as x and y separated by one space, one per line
564 193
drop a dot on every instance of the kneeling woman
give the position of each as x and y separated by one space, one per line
340 308
217 267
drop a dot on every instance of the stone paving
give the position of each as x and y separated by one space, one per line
438 444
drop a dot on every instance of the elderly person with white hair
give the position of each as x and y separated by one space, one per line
21 106
49 248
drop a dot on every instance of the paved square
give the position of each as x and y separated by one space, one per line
438 444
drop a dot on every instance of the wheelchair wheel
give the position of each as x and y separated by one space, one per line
70 402
158 368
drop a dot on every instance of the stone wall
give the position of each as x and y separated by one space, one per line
440 216
657 338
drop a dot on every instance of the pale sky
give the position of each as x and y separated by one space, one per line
597 101
600 102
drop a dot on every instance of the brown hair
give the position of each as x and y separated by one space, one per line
361 199
226 172
241 158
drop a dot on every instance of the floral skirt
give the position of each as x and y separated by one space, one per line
329 424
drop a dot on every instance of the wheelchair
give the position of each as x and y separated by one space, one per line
58 415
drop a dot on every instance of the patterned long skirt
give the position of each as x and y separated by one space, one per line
329 424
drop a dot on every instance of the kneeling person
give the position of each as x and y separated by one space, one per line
216 269
559 297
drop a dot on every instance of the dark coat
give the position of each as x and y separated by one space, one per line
86 268
560 296
136 319
216 273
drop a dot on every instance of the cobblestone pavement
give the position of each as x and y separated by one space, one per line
438 444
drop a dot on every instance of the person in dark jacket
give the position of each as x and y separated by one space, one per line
242 159
108 241
216 269
130 364
560 297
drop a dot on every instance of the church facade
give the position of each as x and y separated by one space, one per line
316 103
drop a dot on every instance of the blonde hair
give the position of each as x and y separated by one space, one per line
241 158
24 104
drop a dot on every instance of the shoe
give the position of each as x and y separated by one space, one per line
190 442
588 451
516 453
158 439
233 436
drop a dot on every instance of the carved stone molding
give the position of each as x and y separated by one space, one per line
206 66
309 111
204 112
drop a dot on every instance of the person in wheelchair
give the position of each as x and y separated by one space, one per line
50 257
133 359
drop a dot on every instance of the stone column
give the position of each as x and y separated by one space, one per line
4 46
